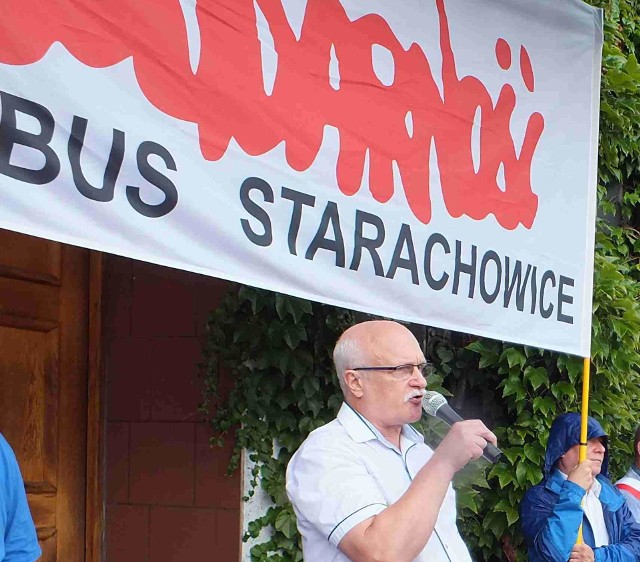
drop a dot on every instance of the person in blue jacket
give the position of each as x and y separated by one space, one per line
18 540
573 493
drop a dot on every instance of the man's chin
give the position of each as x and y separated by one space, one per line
415 419
416 412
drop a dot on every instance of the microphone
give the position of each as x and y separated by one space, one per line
434 404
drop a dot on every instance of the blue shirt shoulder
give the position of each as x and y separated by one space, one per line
18 540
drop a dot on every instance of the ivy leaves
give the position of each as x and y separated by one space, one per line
277 349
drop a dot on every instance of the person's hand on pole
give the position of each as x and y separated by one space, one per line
582 475
581 553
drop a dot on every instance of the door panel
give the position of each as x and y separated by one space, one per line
37 259
44 288
29 366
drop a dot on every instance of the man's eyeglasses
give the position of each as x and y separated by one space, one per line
401 371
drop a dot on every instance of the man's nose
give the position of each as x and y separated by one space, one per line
419 378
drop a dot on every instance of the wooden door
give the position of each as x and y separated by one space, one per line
44 360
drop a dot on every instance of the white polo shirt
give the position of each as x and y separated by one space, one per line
346 472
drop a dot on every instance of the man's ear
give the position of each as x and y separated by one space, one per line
353 382
638 450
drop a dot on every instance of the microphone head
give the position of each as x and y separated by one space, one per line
432 401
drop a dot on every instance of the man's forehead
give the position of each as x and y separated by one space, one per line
395 339
377 329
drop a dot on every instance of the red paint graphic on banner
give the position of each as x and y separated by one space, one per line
226 96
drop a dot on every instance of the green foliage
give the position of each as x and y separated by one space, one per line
276 349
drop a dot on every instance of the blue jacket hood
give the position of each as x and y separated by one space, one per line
565 433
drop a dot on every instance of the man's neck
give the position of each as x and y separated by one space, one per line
392 435
390 432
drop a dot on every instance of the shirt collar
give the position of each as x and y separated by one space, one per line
636 470
360 429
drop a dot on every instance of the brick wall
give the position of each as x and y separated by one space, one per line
168 498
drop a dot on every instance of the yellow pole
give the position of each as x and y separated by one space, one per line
586 371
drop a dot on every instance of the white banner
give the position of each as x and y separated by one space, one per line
427 160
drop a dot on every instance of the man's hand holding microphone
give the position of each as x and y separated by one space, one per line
466 440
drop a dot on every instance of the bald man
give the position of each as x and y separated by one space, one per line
365 487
